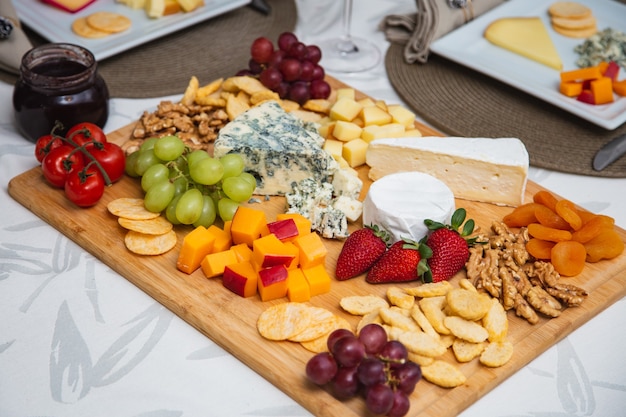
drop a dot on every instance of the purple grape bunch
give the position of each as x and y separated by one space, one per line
367 364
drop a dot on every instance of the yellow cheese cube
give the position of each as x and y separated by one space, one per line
346 92
354 152
366 102
347 131
412 133
343 163
402 115
374 115
326 129
318 279
333 147
345 109
382 104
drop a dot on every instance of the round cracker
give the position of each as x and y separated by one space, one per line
83 29
575 33
108 21
569 9
157 226
282 321
143 244
322 321
320 344
566 23
130 208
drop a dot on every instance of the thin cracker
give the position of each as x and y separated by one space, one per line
83 29
157 226
130 208
497 354
282 321
444 374
108 21
143 244
360 305
322 321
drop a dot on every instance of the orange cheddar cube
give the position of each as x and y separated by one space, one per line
227 225
196 245
297 286
222 238
620 87
312 250
296 253
318 279
269 251
241 278
272 282
602 90
248 224
302 223
242 251
285 229
214 263
571 88
582 74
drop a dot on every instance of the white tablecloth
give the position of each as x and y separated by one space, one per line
77 339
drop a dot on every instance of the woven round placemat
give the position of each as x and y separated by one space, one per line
218 47
459 101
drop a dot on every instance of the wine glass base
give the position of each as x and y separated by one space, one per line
341 55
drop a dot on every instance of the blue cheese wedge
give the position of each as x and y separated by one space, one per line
478 169
279 149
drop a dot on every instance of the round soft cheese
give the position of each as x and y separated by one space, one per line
401 202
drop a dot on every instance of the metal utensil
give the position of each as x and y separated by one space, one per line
610 153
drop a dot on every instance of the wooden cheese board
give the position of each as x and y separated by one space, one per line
230 320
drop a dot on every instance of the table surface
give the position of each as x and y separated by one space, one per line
78 339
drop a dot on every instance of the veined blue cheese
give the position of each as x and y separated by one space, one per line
279 149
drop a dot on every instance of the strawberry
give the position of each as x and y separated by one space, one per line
404 261
360 250
450 248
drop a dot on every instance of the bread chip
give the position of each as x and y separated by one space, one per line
497 354
157 226
235 105
397 296
466 284
371 317
209 89
569 9
496 322
422 344
289 105
108 21
321 322
360 305
431 289
467 304
397 318
191 91
421 360
465 329
465 351
143 244
264 95
443 373
243 83
130 208
282 321
432 307
320 344
422 321
82 28
318 105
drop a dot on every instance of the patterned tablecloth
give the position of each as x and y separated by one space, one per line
77 339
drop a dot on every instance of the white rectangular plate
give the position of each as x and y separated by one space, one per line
55 24
467 46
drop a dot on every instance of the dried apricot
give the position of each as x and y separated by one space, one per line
545 198
568 258
585 215
521 215
549 218
548 233
607 245
539 249
567 210
593 227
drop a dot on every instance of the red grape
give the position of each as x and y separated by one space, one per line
313 53
276 58
306 73
299 92
318 73
283 90
336 335
345 384
319 89
255 67
371 371
373 336
261 50
393 352
348 351
286 39
321 368
297 50
406 376
401 405
379 398
271 78
291 69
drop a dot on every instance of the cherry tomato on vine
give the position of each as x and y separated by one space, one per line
85 187
111 157
59 163
86 132
45 144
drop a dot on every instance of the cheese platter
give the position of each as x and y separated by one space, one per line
230 320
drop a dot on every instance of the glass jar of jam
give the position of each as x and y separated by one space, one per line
58 82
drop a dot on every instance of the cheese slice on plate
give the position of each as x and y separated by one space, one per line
400 202
478 169
526 36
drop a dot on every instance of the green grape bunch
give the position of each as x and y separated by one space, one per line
189 186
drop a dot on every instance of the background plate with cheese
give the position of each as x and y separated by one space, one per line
468 46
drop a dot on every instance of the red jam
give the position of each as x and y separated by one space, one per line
58 82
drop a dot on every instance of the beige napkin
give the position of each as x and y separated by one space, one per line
433 19
16 45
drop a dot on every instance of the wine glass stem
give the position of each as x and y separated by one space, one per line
346 45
